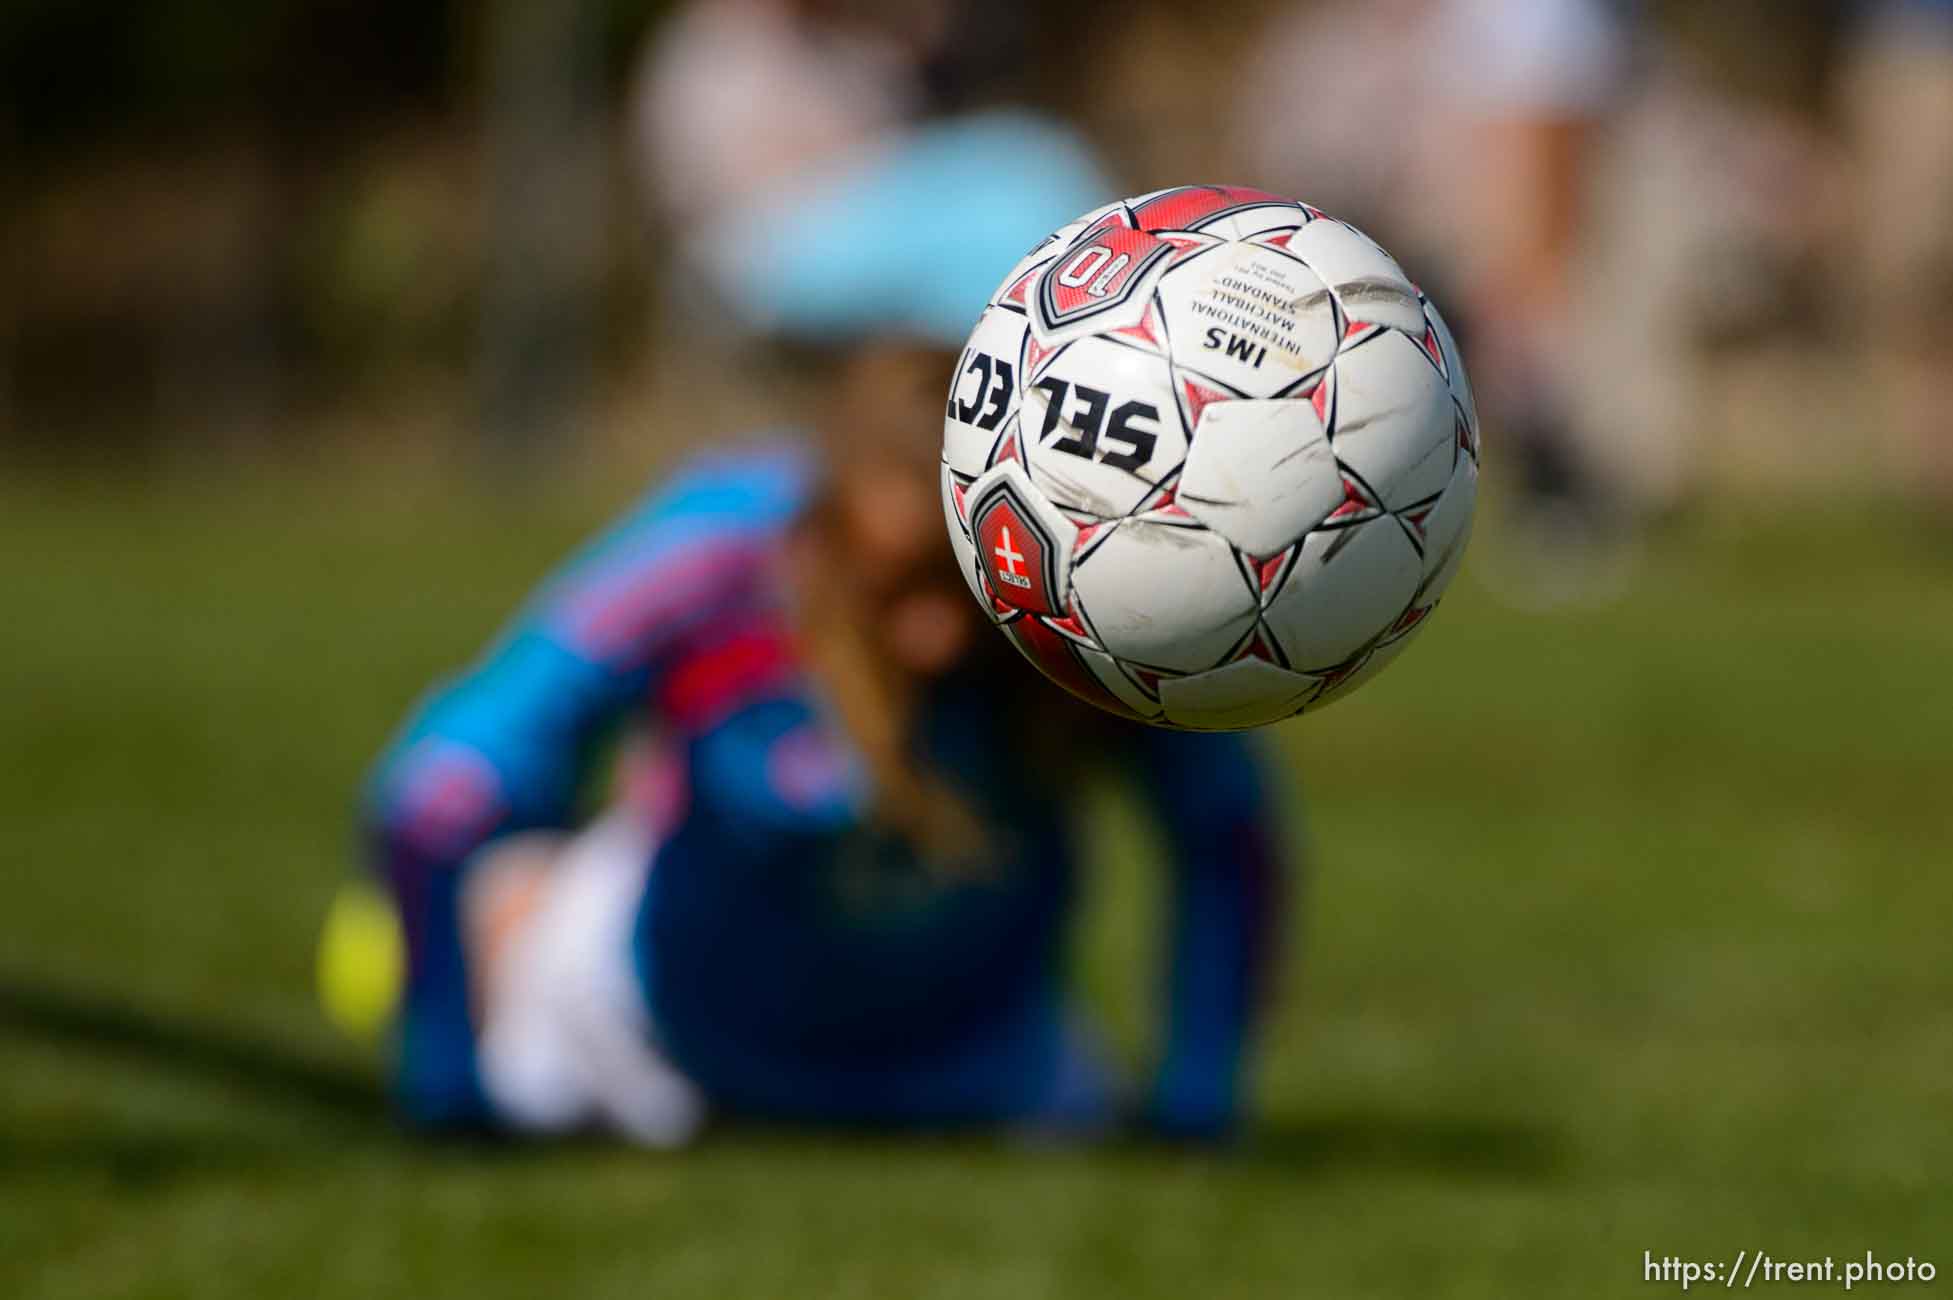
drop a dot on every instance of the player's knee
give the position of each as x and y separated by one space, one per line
436 799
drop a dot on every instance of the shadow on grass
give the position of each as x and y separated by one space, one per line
1304 1146
167 1041
353 1104
1456 1144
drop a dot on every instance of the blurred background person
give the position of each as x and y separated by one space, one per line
737 97
1463 137
1641 212
744 106
857 909
1899 103
733 98
1739 278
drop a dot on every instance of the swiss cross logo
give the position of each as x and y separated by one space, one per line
1011 572
1097 273
1015 553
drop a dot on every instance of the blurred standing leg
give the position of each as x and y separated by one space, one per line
1900 98
1529 84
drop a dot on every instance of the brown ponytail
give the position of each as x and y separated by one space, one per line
876 703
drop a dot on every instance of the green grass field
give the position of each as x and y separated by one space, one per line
1629 930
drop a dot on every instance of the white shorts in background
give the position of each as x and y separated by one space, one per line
568 1043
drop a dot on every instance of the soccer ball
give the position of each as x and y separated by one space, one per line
1209 458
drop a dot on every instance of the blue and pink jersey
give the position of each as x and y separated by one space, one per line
796 961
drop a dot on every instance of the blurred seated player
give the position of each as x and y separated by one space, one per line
840 888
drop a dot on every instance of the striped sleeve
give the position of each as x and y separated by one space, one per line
507 744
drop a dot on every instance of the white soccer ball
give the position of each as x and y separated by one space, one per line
1210 458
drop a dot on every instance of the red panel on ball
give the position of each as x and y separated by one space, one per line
1016 556
1180 209
1060 662
1098 273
